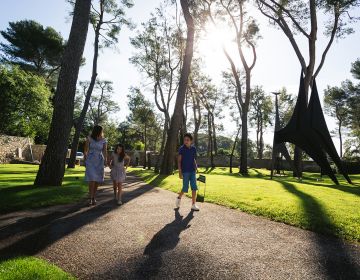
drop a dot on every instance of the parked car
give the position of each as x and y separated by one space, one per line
79 155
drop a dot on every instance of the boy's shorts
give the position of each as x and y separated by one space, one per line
189 177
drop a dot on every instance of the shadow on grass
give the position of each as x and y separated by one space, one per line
149 177
14 183
259 174
312 180
20 194
30 197
352 189
164 240
35 234
208 170
19 171
220 171
333 254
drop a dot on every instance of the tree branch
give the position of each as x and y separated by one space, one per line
332 36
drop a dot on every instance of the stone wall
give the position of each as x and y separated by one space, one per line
13 147
136 157
308 165
38 151
224 161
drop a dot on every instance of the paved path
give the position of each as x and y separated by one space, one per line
147 239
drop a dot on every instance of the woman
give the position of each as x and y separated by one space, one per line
95 160
118 170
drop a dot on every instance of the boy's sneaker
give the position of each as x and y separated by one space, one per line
119 202
194 207
177 203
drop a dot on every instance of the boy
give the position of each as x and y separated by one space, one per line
187 170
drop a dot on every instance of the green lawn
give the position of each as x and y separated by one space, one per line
315 205
30 268
17 191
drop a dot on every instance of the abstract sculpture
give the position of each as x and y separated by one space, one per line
279 148
307 129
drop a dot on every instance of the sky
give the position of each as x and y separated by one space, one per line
276 67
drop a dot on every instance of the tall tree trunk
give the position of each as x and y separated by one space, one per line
297 162
340 138
183 129
261 138
145 145
80 123
161 152
196 130
52 167
244 127
210 148
258 142
244 142
197 118
214 134
261 145
209 140
196 136
167 165
233 149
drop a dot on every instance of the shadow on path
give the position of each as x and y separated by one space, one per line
331 253
164 240
40 232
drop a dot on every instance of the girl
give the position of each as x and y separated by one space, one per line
118 170
95 155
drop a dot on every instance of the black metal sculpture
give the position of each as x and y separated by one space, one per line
279 148
307 129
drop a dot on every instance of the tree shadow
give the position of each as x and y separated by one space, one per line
26 197
208 170
218 171
151 178
334 254
164 240
38 233
20 172
259 174
352 189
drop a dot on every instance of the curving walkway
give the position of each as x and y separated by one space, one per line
147 239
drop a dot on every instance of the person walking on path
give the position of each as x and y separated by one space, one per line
118 170
187 170
95 155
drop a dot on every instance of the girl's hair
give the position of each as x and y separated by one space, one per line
96 132
122 154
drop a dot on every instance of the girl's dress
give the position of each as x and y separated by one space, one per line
117 173
95 161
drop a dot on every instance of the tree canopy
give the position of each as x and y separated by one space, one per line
25 104
33 47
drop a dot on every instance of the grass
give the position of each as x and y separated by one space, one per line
30 268
310 204
18 193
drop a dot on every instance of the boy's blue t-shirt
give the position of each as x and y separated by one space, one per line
187 159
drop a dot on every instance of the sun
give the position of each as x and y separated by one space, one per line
215 38
211 43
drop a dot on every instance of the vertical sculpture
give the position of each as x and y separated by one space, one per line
307 129
279 148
